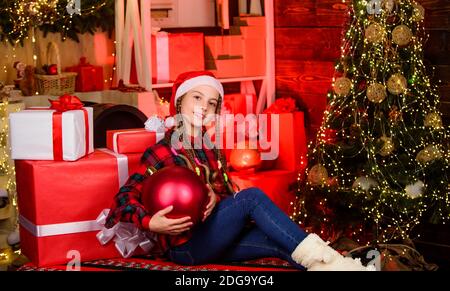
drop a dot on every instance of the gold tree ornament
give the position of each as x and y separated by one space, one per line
376 92
402 35
433 120
6 256
418 12
388 146
342 86
397 84
318 175
374 33
428 154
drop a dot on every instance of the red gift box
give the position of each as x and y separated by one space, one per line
249 21
292 144
127 141
219 45
254 56
228 68
240 103
173 54
215 46
89 78
235 45
235 104
60 201
248 31
278 185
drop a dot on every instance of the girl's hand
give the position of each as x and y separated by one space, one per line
159 223
212 202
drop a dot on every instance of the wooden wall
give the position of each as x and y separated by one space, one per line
437 48
308 36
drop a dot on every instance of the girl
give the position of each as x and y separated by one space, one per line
236 226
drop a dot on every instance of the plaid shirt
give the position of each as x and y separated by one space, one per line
127 206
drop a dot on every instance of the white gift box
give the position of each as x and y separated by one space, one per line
31 134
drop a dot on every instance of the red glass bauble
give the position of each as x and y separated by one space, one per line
245 159
52 70
177 186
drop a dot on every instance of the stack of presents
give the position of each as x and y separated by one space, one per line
64 183
241 53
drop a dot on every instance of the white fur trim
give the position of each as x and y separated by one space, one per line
313 249
341 264
197 81
315 254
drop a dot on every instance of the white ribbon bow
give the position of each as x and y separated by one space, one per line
127 236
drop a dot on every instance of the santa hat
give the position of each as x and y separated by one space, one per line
188 81
183 84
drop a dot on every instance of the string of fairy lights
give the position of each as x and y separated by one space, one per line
384 105
28 16
7 171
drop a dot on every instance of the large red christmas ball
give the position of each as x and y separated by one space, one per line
177 186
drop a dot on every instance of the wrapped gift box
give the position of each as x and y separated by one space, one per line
249 21
127 141
248 31
220 45
240 103
292 143
60 201
254 56
215 46
230 67
278 185
89 78
173 54
41 134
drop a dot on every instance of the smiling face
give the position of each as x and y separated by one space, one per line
199 105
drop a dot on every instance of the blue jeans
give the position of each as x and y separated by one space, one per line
245 227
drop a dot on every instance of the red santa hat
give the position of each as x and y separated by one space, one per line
188 81
184 82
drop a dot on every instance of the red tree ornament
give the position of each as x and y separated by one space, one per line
52 69
177 186
245 159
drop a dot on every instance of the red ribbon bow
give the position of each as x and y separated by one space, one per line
282 105
62 104
65 103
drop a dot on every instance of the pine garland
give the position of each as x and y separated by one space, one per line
17 18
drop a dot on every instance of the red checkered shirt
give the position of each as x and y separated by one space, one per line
127 205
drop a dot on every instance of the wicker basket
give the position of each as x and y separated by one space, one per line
63 83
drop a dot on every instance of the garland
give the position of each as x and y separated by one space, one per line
18 18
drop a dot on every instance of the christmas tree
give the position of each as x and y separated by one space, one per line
380 164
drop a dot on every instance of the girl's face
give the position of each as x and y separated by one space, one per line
199 105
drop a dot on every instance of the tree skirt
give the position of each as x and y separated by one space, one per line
149 263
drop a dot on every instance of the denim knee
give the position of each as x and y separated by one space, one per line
252 193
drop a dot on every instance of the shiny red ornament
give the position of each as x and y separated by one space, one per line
52 69
177 186
245 159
